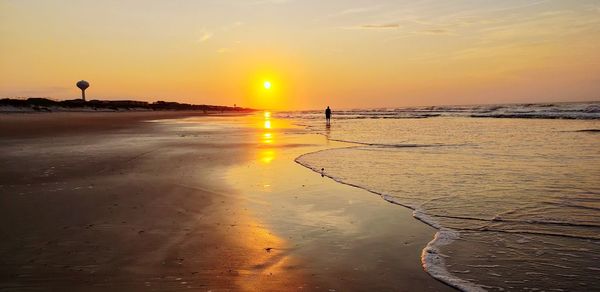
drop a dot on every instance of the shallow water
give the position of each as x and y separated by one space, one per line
517 200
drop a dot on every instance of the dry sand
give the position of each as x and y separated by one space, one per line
109 201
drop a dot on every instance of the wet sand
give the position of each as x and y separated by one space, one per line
36 125
348 239
133 205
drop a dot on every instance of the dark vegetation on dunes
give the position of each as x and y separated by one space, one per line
44 104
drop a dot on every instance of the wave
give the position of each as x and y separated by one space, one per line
430 219
432 259
356 116
577 110
533 115
434 263
386 145
536 222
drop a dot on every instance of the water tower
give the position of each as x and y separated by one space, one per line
83 85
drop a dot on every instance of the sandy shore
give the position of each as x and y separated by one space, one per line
36 125
111 201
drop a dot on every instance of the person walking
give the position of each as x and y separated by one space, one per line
328 115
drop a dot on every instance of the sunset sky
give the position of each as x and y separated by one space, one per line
345 54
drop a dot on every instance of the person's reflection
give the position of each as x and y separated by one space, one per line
328 132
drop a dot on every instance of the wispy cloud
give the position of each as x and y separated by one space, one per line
205 37
260 2
232 26
356 10
436 31
378 26
223 50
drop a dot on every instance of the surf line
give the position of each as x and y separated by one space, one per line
432 260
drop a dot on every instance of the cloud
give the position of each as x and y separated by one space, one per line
356 10
223 50
379 26
232 26
205 37
261 2
437 31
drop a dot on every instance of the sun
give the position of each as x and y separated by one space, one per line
267 84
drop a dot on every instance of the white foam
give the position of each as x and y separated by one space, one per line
578 110
434 261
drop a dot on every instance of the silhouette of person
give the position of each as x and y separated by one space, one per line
328 115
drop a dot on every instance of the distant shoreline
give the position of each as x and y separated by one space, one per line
34 105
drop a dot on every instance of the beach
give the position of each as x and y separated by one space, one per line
173 201
281 145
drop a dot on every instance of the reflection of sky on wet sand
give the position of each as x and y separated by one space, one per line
272 174
268 265
321 231
271 265
322 227
267 261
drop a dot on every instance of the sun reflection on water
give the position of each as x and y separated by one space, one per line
268 154
267 138
270 264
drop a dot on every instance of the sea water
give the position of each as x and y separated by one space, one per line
514 190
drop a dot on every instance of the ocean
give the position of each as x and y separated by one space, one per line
513 190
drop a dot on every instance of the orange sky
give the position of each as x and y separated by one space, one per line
344 54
